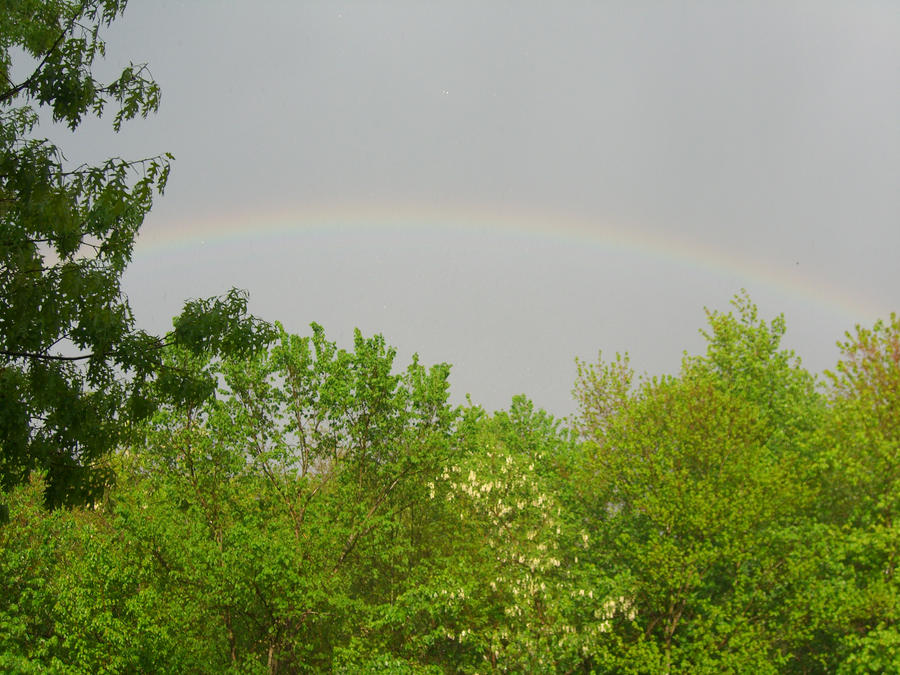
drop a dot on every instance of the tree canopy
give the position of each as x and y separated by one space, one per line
327 511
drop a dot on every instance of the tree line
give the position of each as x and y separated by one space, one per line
325 511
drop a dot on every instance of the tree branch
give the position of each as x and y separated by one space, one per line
10 93
35 356
354 537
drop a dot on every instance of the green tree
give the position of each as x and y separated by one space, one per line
73 368
31 544
861 442
698 489
281 517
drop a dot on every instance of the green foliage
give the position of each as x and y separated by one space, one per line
77 596
865 430
696 484
30 545
861 458
73 368
290 504
324 511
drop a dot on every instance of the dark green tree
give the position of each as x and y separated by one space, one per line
74 371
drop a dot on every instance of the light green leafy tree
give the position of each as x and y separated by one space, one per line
31 544
77 595
73 368
698 489
862 482
281 515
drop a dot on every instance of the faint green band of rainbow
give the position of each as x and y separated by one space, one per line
157 239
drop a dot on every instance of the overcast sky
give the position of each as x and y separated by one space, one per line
508 185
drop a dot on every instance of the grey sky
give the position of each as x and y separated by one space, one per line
766 130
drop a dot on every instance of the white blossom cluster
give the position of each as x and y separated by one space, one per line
523 527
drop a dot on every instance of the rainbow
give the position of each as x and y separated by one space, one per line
162 238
